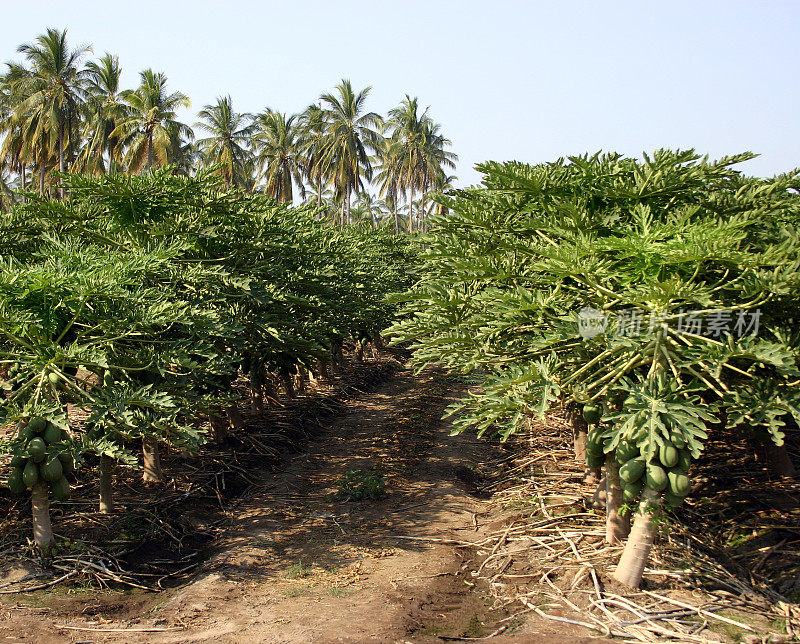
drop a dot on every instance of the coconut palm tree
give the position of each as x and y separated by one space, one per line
433 159
389 177
103 111
418 153
6 191
228 143
52 91
312 123
351 135
148 128
369 208
279 145
27 141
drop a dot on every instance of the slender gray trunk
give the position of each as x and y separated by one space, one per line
617 525
152 472
302 379
106 484
61 190
637 549
40 512
149 150
322 370
288 383
411 211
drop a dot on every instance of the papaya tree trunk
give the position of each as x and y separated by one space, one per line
219 427
256 391
288 383
359 351
152 472
617 525
580 430
106 484
322 370
40 511
598 501
637 549
302 379
235 418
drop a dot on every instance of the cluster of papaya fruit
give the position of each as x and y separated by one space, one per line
44 460
667 471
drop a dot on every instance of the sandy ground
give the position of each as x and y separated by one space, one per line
300 566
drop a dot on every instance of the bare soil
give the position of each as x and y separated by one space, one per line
296 564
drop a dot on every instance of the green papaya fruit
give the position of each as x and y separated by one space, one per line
668 455
37 449
67 463
30 474
679 483
655 477
15 481
60 489
626 450
37 425
594 443
672 500
632 470
108 379
18 461
52 434
594 461
631 491
26 433
51 470
592 413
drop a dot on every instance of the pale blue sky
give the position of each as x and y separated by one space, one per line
529 81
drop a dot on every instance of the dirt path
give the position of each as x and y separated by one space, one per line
300 566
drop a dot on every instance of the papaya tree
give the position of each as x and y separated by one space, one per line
656 295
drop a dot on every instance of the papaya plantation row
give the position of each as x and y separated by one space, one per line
137 301
655 298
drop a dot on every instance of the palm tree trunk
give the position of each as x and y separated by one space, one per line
396 216
61 190
348 203
149 151
411 212
23 181
41 180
